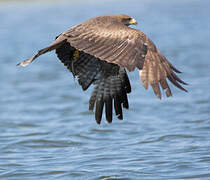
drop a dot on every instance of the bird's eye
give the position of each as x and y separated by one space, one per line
128 19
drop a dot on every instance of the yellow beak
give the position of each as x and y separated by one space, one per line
133 22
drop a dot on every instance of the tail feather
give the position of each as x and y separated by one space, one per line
118 107
108 90
108 106
93 98
99 110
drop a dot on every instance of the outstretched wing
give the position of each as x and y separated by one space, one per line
109 40
127 47
156 69
106 39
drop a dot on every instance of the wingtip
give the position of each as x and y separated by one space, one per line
185 83
98 118
98 122
17 64
120 116
24 63
159 97
185 90
109 121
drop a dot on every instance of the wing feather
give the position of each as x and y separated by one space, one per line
157 69
108 40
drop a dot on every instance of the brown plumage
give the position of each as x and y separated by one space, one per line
100 49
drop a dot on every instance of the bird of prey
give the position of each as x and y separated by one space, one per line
100 50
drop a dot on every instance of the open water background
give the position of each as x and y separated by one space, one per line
46 131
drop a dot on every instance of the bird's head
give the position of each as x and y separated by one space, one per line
126 20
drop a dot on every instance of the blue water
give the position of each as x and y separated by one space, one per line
46 130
